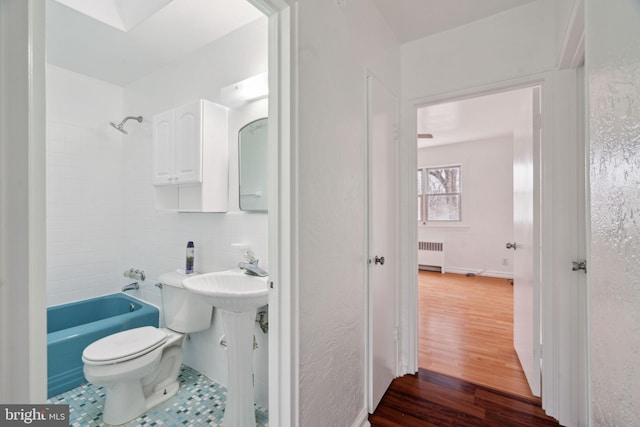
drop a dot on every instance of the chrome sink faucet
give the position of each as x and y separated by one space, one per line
251 267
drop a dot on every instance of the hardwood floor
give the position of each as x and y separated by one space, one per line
432 399
469 373
466 330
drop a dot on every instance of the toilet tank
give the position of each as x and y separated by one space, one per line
183 311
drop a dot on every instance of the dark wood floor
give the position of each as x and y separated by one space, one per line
432 399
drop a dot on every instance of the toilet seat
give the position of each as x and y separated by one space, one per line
123 346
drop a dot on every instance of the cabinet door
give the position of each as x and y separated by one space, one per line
188 147
163 148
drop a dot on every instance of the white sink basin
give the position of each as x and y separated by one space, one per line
230 290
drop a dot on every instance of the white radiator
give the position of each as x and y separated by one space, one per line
431 256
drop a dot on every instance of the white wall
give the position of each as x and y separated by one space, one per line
517 42
613 78
338 43
478 242
102 218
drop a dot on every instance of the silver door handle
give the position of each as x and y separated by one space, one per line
511 245
579 265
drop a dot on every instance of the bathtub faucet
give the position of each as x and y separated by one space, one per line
131 287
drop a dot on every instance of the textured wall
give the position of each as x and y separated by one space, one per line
613 73
338 42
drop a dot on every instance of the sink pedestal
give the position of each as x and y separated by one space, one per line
238 297
239 407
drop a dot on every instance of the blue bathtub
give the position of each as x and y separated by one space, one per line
73 326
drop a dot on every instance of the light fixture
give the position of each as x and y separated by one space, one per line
244 91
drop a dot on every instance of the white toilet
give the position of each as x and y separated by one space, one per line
139 367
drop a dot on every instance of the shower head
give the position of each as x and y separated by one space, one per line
120 126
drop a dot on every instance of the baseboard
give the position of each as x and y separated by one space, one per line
362 420
489 273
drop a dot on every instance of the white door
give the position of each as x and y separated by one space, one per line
383 247
163 148
188 143
526 284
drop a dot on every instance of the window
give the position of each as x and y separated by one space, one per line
439 197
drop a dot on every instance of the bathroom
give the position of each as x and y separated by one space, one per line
102 214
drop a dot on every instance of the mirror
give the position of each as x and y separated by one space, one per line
252 154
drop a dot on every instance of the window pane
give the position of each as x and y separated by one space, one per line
420 181
443 208
443 180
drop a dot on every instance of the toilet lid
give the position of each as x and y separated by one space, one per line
125 345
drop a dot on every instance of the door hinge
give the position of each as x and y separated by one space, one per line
395 131
537 121
538 352
395 334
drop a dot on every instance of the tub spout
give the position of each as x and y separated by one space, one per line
131 287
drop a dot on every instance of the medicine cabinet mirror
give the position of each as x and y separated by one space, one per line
252 154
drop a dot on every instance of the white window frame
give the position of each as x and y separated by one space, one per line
423 197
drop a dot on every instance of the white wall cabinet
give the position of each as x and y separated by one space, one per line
190 158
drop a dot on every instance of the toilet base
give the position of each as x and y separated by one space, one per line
127 400
163 395
124 402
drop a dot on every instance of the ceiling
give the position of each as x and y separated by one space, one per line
134 38
472 119
125 40
120 41
413 19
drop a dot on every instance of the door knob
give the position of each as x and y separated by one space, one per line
511 245
379 260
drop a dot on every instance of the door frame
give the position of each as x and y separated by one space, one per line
282 222
557 308
22 202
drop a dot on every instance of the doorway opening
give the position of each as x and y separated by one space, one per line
105 211
466 193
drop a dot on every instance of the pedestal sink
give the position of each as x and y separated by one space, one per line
237 296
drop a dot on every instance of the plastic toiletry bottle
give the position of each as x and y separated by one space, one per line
190 256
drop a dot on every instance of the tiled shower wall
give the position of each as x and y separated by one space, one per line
84 181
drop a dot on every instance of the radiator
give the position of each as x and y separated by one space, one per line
431 256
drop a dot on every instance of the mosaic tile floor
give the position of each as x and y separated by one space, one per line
199 402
